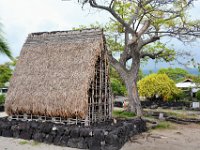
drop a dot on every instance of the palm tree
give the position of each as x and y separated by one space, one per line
4 49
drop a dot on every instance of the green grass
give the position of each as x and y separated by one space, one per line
35 143
23 142
182 114
164 125
123 114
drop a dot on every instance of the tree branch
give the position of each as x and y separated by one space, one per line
150 40
150 55
119 67
111 4
144 28
134 16
114 14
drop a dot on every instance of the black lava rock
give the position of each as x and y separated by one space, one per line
77 143
25 135
85 132
49 139
98 134
75 132
38 136
57 140
7 133
64 140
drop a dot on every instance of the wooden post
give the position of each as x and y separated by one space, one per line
100 88
92 101
96 92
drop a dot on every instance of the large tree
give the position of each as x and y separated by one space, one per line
143 23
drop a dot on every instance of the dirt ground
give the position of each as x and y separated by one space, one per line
183 137
18 144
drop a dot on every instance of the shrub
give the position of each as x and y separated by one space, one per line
158 86
180 96
117 87
2 99
198 95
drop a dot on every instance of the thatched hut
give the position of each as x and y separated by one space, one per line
62 74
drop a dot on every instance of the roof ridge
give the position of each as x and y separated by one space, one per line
87 30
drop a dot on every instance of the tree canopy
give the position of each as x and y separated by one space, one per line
176 74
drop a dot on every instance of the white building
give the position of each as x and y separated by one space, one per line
188 85
4 89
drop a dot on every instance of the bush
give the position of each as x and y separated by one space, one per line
198 95
117 87
158 86
2 99
180 96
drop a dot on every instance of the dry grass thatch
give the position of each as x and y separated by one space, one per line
54 72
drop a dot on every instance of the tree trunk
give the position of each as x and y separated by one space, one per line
130 79
134 101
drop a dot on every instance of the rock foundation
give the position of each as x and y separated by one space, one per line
105 136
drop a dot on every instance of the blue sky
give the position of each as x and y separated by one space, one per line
21 17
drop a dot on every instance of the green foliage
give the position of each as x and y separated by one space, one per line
163 125
180 96
2 99
118 87
167 55
158 85
176 74
122 114
117 84
23 142
140 75
4 49
196 79
198 95
5 74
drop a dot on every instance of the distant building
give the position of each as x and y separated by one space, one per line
3 90
188 86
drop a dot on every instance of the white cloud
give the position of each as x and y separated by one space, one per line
21 17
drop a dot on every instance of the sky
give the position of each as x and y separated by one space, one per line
21 17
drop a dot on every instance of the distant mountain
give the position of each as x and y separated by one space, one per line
193 71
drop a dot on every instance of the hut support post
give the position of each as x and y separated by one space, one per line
105 90
92 101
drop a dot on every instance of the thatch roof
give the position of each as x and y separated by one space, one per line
54 72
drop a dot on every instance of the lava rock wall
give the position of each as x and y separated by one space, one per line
98 137
163 104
